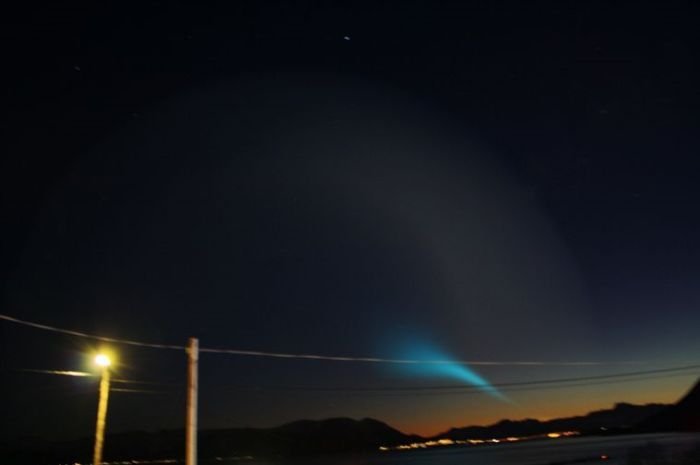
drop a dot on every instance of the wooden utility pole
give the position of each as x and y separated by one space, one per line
191 427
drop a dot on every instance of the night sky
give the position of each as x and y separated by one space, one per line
488 181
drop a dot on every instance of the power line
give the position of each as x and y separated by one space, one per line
466 391
138 391
520 385
282 355
410 361
556 380
556 386
441 389
149 383
85 374
81 374
536 385
71 332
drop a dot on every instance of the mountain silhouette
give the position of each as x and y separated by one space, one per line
344 435
621 416
682 416
304 437
299 438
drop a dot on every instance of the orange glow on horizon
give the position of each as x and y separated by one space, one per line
453 412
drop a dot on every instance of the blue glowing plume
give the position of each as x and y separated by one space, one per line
447 370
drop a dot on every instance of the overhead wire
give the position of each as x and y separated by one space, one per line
538 385
521 385
442 389
467 391
297 356
57 372
82 334
544 381
139 391
84 374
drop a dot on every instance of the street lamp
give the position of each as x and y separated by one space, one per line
103 362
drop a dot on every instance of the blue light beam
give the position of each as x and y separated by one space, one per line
455 371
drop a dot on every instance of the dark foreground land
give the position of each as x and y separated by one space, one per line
308 438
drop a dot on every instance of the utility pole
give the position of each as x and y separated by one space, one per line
191 427
104 362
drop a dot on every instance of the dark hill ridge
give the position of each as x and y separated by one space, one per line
682 416
304 437
344 435
307 437
622 416
299 438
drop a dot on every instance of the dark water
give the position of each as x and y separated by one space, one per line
621 450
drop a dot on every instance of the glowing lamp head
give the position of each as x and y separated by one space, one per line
102 360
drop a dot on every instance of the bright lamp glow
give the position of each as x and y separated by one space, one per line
102 360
